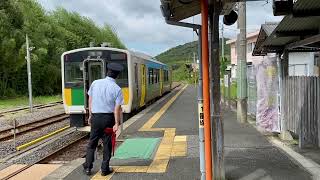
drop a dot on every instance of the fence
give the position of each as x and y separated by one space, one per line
301 108
252 90
229 89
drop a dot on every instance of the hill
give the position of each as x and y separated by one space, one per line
184 53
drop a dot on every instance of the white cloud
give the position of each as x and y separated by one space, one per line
140 25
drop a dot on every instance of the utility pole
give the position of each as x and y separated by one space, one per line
242 65
29 73
216 119
194 68
222 43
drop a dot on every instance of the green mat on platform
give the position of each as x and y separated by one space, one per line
137 148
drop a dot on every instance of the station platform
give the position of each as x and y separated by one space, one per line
161 142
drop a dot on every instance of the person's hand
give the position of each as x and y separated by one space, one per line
89 120
115 127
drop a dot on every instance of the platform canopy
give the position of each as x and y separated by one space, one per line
177 10
298 31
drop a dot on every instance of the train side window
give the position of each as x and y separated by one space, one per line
155 76
136 73
165 75
150 76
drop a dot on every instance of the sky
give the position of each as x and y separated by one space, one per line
141 26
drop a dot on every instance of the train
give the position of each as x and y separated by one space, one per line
143 79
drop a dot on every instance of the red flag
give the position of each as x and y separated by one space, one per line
109 131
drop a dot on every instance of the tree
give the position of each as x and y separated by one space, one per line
51 34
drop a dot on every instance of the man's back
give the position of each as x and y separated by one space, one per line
105 95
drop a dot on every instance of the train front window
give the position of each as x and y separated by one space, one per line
73 63
73 74
122 79
121 58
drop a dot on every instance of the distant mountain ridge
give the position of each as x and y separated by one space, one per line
181 54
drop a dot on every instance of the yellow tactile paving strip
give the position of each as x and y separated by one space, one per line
170 145
179 146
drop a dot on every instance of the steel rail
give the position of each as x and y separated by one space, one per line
43 158
21 129
39 106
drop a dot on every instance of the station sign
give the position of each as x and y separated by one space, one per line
200 115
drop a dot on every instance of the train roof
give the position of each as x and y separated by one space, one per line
137 54
145 56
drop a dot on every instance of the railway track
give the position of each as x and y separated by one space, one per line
39 106
23 128
53 154
76 149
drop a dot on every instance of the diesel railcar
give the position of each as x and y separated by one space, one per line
142 80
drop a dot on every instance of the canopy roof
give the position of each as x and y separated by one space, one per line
299 31
177 10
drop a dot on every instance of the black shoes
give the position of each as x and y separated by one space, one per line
86 170
104 173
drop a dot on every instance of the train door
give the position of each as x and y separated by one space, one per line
161 82
137 90
143 85
96 71
93 69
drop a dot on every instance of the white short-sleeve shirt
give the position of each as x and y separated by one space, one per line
105 94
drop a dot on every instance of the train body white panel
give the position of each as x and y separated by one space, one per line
147 79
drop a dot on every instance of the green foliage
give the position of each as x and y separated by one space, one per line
224 62
233 91
24 100
51 34
183 74
183 54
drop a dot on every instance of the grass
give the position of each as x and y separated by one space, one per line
24 101
233 91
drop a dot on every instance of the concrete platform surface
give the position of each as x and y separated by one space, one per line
248 154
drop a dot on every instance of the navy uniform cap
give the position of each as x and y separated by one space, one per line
115 67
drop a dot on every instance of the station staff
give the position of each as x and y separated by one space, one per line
105 100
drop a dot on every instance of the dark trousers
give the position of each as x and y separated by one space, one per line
99 122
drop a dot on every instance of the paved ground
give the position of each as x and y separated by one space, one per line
311 153
248 154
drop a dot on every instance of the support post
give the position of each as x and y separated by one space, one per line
29 73
200 111
284 73
222 42
206 90
197 28
14 132
216 119
242 66
229 89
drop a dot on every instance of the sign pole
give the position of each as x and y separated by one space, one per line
29 74
206 88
